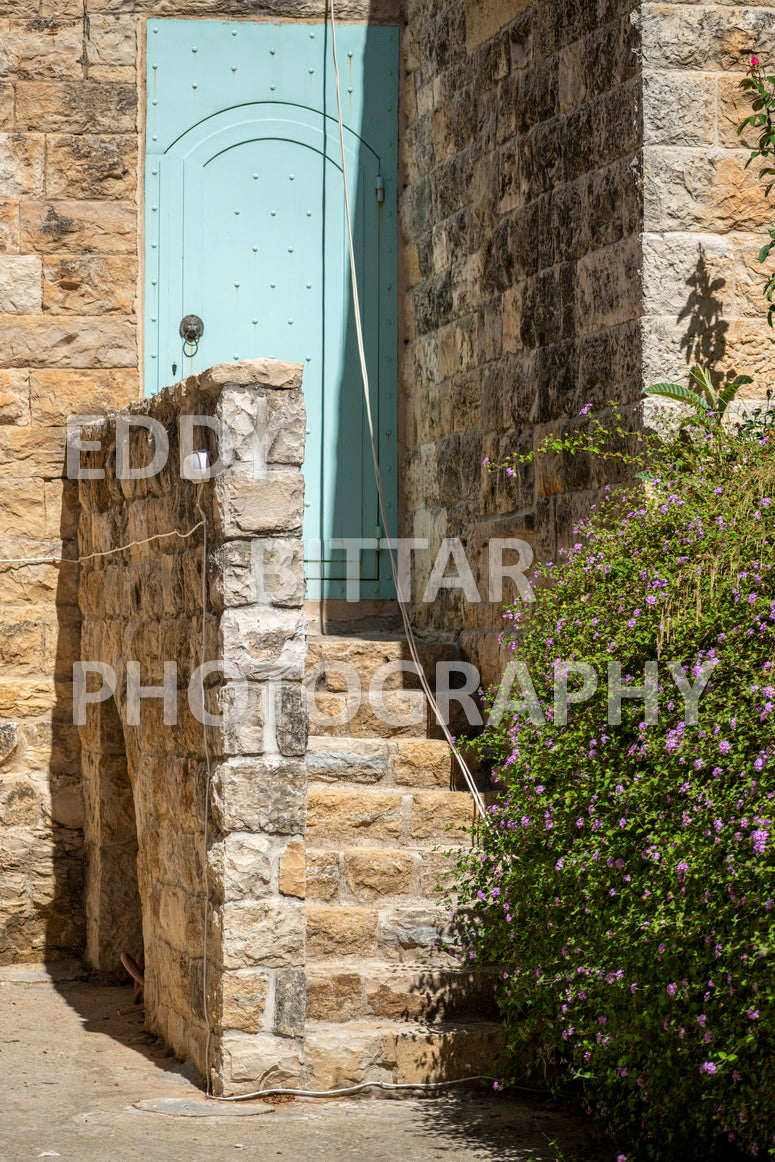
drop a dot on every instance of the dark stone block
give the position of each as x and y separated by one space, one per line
290 1004
292 721
609 366
547 313
432 301
556 380
616 126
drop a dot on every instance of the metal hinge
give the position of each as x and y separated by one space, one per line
379 189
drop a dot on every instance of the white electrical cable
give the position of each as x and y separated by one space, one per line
468 777
104 553
353 1088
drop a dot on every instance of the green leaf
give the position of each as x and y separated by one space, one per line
677 392
728 393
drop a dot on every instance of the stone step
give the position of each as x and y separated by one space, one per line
345 1054
403 762
342 816
365 875
403 932
368 654
369 687
387 714
352 990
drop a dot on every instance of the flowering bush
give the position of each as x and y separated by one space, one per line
624 886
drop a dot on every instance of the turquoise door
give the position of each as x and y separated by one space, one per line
245 228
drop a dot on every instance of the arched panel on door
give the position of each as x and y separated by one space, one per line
246 229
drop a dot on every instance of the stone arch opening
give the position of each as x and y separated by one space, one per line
113 909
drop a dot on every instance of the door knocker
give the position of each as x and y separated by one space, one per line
191 331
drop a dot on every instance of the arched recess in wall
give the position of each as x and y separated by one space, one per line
113 909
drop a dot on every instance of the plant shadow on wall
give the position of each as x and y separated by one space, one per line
704 341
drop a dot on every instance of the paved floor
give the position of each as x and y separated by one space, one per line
72 1070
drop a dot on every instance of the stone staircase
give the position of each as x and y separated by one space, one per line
385 1001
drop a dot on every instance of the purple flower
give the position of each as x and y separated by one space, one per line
708 1067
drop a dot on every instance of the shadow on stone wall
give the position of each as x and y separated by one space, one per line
60 908
705 338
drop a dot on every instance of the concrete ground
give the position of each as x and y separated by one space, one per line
72 1071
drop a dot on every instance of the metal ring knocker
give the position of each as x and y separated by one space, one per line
191 330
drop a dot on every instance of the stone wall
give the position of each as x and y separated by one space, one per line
576 221
145 772
71 110
578 224
704 215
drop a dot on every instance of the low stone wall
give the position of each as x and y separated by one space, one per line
153 816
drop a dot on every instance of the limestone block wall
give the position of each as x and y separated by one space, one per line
71 102
705 217
522 215
153 878
578 224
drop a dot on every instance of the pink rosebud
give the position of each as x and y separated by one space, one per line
754 61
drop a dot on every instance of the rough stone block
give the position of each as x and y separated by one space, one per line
33 452
440 815
684 36
339 931
679 109
246 505
691 277
24 509
291 875
333 815
258 1061
91 166
21 164
260 795
241 866
92 285
56 394
290 1002
422 763
6 107
112 41
76 106
243 1000
702 190
20 284
322 875
264 643
14 396
267 570
373 874
331 760
89 227
9 227
608 286
67 341
334 996
265 933
41 49
412 931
